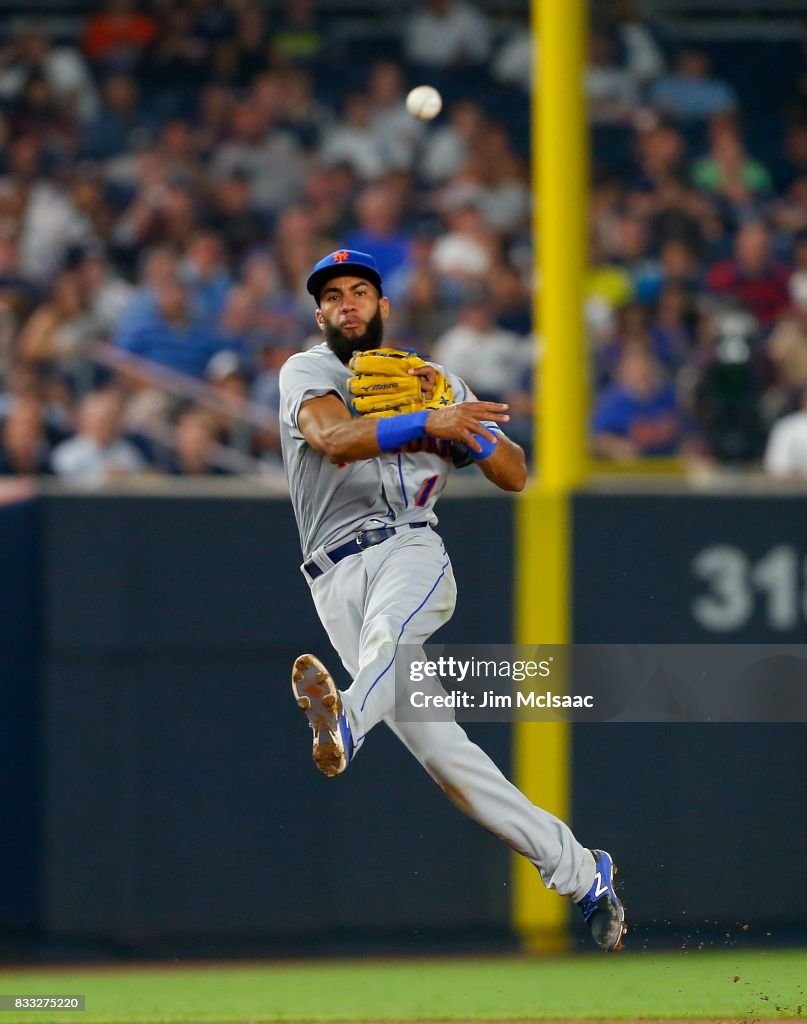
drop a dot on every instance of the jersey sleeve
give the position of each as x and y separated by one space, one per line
299 381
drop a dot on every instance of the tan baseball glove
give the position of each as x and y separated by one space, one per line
382 385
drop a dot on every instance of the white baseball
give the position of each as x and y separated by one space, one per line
424 102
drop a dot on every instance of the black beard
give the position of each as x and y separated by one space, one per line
343 346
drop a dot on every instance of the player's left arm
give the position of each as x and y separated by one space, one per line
506 466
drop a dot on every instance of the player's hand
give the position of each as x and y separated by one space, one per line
428 378
461 422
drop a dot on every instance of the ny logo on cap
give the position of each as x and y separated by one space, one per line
342 256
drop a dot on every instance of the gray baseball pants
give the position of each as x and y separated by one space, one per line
401 592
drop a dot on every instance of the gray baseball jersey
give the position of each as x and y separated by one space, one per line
398 593
331 501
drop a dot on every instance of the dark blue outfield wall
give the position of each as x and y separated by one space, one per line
158 775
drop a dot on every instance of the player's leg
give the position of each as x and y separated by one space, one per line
465 772
367 604
410 593
472 781
370 605
339 599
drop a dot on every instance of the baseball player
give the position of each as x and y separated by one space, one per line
369 438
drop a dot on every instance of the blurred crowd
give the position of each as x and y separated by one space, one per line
169 174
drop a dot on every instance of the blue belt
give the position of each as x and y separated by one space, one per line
363 539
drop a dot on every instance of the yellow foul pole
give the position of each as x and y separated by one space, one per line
560 188
560 219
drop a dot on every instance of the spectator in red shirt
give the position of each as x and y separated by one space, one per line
116 37
751 276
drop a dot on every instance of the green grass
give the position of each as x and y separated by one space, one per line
628 986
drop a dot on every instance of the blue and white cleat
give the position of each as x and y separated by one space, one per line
316 693
601 907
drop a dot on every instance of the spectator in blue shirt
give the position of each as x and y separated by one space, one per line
158 264
378 211
689 93
171 336
120 124
205 273
639 414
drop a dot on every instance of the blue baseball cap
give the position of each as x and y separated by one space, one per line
343 261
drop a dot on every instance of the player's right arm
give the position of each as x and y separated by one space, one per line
329 428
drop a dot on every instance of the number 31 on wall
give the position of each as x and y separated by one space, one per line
737 586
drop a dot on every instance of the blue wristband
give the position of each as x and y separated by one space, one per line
393 432
488 448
